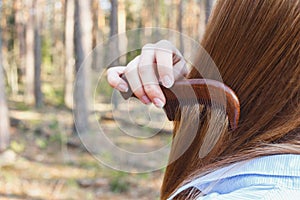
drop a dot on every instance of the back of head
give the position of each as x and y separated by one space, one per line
256 47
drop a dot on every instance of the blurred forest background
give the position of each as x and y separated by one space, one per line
43 43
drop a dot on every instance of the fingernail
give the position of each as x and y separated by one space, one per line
146 100
158 103
166 81
122 87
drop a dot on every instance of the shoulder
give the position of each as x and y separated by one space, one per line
259 178
259 192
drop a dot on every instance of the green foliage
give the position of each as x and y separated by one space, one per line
119 174
89 164
11 23
107 156
146 130
54 125
54 96
104 89
47 55
59 138
90 196
132 54
144 175
8 177
72 183
118 186
17 147
21 106
35 122
130 20
41 143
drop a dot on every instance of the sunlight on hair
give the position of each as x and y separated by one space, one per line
217 125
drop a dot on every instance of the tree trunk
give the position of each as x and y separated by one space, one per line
114 45
69 53
13 60
21 40
95 13
122 30
29 92
201 20
208 7
58 36
157 13
83 46
4 120
38 95
179 24
114 18
157 16
98 25
170 20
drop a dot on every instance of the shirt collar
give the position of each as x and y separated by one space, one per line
275 165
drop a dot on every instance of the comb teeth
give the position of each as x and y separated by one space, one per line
198 91
172 106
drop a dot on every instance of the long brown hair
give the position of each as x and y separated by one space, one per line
256 47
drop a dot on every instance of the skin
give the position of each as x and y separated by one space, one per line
159 62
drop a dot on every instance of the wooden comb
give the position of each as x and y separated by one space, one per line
197 91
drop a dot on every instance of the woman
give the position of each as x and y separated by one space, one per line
256 47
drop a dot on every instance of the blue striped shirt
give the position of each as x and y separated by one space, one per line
265 178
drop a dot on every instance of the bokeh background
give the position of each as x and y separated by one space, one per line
43 44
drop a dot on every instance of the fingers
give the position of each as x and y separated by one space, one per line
148 77
164 58
180 69
157 62
133 78
164 62
113 78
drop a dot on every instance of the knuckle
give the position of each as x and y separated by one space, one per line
127 70
130 70
139 92
151 90
143 69
112 81
132 65
147 47
164 42
163 53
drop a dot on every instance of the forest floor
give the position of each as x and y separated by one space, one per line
46 161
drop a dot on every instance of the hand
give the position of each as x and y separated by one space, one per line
157 62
